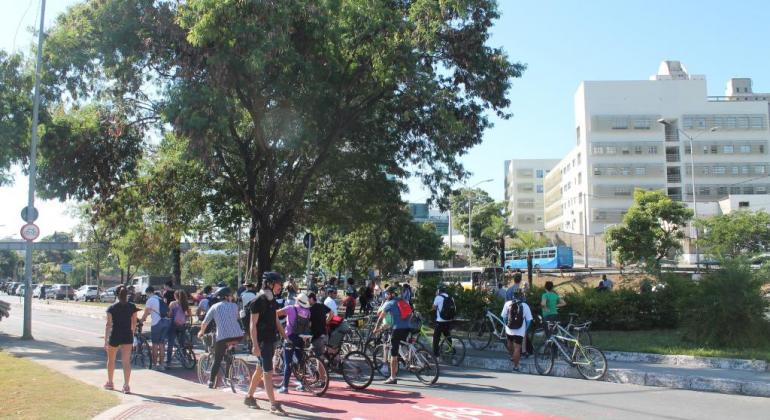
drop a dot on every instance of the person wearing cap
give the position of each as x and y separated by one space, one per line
297 323
401 328
331 299
225 315
264 327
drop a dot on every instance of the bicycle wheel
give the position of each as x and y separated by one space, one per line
452 351
591 363
480 334
357 370
314 376
583 336
545 356
426 367
141 355
186 357
278 362
239 376
380 361
204 368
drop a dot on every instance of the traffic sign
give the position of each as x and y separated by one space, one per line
30 232
308 240
66 268
25 211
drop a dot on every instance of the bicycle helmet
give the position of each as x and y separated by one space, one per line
224 292
442 287
270 277
331 289
392 290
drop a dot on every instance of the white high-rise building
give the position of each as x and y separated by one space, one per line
524 190
636 134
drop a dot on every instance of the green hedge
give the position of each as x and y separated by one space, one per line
470 303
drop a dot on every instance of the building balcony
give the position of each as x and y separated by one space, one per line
671 158
674 178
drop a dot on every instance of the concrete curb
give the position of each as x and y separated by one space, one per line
636 377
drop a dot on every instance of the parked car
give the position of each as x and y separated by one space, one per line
10 286
108 295
87 293
22 289
14 287
39 289
60 291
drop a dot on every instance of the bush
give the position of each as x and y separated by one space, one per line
470 303
727 308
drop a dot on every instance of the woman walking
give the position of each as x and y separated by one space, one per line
119 334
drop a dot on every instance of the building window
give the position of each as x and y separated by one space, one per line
756 123
641 171
540 188
745 149
687 149
611 150
743 204
749 189
760 190
759 169
721 191
731 123
578 158
743 123
597 150
705 150
735 190
642 124
539 173
638 150
705 170
719 170
597 171
625 171
744 170
704 191
728 148
735 170
620 124
652 150
577 133
625 150
714 149
761 148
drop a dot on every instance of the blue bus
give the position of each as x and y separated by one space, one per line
549 257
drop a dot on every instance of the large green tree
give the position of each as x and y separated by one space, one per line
9 261
735 234
283 98
15 112
651 230
487 219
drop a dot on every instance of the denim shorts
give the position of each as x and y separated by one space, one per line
267 349
159 331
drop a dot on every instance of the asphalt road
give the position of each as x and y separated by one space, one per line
461 393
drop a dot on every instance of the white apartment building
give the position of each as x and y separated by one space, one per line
524 191
636 134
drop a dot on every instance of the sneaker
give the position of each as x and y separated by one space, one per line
276 409
300 388
283 390
390 381
251 402
211 385
516 369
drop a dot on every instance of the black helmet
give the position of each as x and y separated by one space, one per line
270 277
442 287
331 289
392 290
223 292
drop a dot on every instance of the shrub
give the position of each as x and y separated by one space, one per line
727 308
470 303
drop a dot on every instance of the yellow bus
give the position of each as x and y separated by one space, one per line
468 277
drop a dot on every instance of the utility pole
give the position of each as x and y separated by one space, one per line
585 229
27 333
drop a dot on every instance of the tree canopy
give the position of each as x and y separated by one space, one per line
283 100
735 234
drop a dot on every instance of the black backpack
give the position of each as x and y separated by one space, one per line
448 308
301 324
515 315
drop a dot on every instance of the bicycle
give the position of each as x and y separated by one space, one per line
451 349
184 352
141 352
418 361
482 330
311 372
589 361
356 368
580 331
233 372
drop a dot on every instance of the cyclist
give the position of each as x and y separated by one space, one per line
401 328
157 310
320 315
331 299
203 305
228 330
350 298
445 309
297 322
264 327
517 317
180 313
551 302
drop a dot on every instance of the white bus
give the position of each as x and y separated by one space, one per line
468 277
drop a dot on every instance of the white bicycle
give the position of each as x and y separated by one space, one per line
482 330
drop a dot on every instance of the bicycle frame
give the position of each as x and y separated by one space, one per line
559 336
499 333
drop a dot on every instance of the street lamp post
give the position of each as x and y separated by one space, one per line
692 182
470 233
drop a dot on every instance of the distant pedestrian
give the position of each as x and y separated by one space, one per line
119 335
501 291
168 292
550 303
515 288
331 299
351 296
407 294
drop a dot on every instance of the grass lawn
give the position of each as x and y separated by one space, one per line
668 342
32 391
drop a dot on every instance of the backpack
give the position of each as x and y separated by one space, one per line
162 307
448 308
301 324
515 316
178 315
404 309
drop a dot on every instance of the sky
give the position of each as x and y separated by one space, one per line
562 42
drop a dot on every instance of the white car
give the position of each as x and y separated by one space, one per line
87 293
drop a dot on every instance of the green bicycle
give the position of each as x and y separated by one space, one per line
451 349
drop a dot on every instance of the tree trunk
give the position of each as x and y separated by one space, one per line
529 267
502 252
264 256
176 256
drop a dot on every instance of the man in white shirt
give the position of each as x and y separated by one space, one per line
247 296
516 335
331 299
443 326
157 309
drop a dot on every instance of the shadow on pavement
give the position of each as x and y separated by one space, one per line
488 389
180 401
87 357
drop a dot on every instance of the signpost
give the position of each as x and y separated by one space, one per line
308 240
29 216
30 232
66 268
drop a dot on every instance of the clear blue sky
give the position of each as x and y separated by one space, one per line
562 42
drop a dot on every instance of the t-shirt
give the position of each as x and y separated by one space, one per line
331 303
438 302
121 318
203 305
153 304
502 293
511 292
246 298
225 315
168 295
266 329
318 319
391 307
527 318
551 300
292 313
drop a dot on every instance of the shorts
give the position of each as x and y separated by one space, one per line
267 349
517 339
396 338
159 331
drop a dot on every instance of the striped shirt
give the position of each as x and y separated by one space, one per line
225 315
